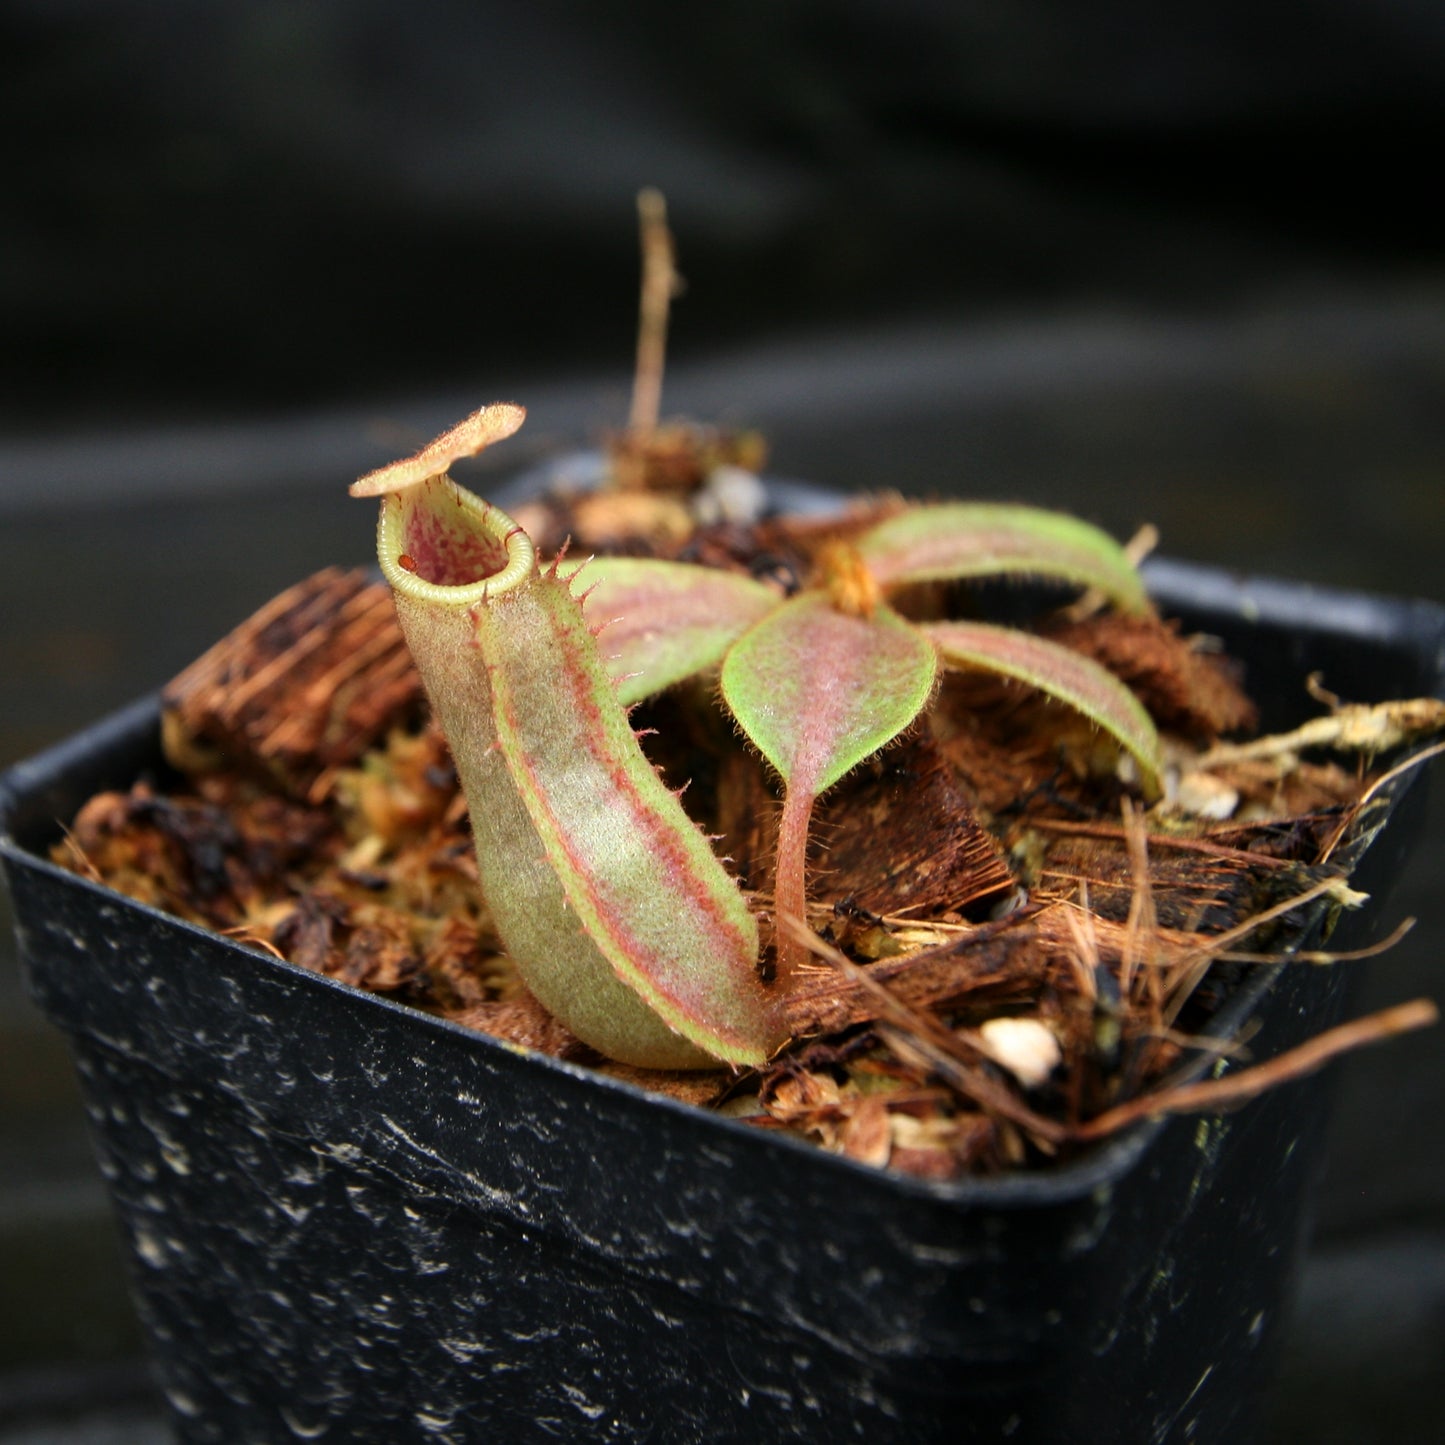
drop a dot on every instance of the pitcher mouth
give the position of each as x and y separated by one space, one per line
437 542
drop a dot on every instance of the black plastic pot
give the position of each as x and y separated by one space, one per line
350 1220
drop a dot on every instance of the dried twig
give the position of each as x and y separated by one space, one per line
1324 956
660 283
1142 928
80 857
244 933
1211 1095
1187 971
1400 768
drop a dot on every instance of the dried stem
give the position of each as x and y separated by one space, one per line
660 283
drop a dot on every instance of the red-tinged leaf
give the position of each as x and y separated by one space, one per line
666 621
818 691
1062 673
617 913
989 539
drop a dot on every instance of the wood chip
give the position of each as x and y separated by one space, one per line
304 686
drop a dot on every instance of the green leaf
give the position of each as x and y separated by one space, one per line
617 913
665 621
988 539
1064 674
818 691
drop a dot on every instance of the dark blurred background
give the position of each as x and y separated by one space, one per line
1182 265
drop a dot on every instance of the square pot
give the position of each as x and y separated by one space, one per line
351 1220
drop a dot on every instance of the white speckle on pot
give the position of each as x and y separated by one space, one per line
581 1403
300 1428
464 1351
182 1402
296 1213
150 1249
